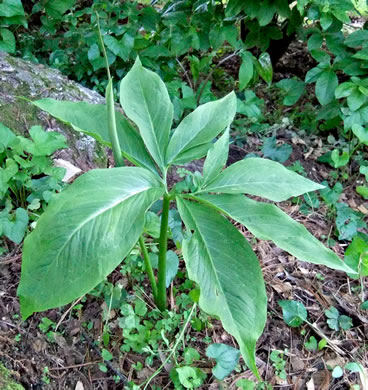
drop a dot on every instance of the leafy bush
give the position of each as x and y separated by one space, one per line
93 225
28 179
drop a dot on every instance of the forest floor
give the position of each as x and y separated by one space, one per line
56 349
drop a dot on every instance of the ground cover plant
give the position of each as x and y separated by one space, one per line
91 235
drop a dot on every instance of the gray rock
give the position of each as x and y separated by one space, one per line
19 78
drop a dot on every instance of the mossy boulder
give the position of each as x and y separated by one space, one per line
6 381
19 78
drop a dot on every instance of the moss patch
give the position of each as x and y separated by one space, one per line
6 382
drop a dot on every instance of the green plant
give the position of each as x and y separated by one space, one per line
11 13
278 361
336 320
28 178
100 218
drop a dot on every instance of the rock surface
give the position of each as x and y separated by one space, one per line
19 78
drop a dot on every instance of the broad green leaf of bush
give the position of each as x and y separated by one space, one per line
226 358
264 67
145 100
271 150
83 235
7 137
56 8
221 261
261 177
10 8
356 256
246 70
361 132
216 158
200 127
7 41
91 119
293 312
268 222
325 86
293 88
43 143
14 226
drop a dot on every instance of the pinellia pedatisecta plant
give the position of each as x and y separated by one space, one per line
89 228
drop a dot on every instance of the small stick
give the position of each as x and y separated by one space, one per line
74 366
122 377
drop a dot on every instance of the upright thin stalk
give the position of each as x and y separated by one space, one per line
161 280
111 120
148 266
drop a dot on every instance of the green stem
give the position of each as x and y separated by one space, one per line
111 120
148 266
161 283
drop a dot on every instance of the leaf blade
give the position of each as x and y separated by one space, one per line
98 231
261 177
243 313
145 100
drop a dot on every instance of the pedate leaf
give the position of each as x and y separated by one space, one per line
218 257
95 223
261 177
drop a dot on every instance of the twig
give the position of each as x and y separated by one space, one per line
67 312
122 377
235 53
185 73
74 366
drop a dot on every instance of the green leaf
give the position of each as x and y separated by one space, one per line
226 359
261 177
7 41
356 256
311 344
348 221
326 20
361 132
10 8
245 384
268 222
86 231
274 152
325 86
364 305
246 70
190 377
362 191
56 8
106 355
218 257
7 137
340 160
357 38
337 372
356 99
145 100
315 41
201 127
344 89
333 318
293 88
172 266
44 142
293 312
190 355
14 227
91 119
216 158
264 67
